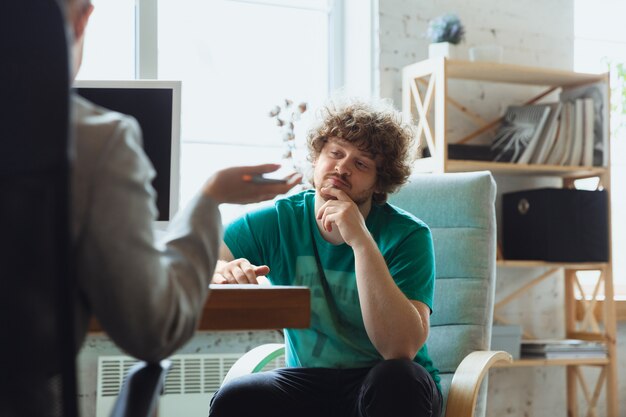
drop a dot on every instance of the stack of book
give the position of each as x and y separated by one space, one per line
562 349
521 130
573 131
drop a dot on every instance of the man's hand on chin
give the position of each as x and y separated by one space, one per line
344 214
327 194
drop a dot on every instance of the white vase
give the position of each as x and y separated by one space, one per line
445 49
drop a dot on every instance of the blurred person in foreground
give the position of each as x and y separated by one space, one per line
147 296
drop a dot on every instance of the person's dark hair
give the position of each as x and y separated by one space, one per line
78 4
374 127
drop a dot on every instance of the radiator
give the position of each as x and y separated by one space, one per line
189 385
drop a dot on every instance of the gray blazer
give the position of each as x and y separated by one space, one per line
147 296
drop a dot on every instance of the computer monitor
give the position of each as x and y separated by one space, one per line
156 106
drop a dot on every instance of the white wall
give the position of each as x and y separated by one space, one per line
532 32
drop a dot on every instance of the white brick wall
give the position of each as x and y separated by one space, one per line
521 28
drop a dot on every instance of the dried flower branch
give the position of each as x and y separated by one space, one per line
286 115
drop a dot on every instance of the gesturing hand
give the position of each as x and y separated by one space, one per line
344 214
239 271
230 186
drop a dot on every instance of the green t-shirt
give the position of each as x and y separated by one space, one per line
281 237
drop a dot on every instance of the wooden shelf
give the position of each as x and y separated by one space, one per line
519 363
525 169
427 99
507 168
503 73
580 266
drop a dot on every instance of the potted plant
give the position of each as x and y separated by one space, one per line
445 32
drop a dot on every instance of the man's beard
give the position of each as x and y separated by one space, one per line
359 199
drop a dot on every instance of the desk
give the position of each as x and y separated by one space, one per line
255 307
252 307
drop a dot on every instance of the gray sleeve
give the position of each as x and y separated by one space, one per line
146 297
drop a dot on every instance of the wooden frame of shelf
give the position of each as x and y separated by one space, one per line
582 322
434 75
579 266
620 308
506 168
426 100
503 73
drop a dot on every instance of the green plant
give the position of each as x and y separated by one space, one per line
446 28
617 75
618 98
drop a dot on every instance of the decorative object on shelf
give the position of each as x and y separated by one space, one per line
507 338
470 152
489 53
445 33
519 132
556 225
286 116
443 49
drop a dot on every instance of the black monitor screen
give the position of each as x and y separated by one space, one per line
152 107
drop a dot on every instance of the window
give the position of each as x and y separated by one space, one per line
109 54
236 60
599 42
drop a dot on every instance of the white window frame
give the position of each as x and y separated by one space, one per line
146 39
146 36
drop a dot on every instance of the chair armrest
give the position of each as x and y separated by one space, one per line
141 390
255 360
467 379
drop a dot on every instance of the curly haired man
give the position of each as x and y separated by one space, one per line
370 267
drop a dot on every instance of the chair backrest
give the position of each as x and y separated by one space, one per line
460 210
37 349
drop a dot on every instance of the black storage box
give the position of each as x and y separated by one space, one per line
557 225
470 152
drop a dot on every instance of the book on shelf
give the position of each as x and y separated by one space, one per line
576 139
563 355
548 135
562 349
588 116
517 136
560 146
569 138
598 93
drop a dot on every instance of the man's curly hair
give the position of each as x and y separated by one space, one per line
374 127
